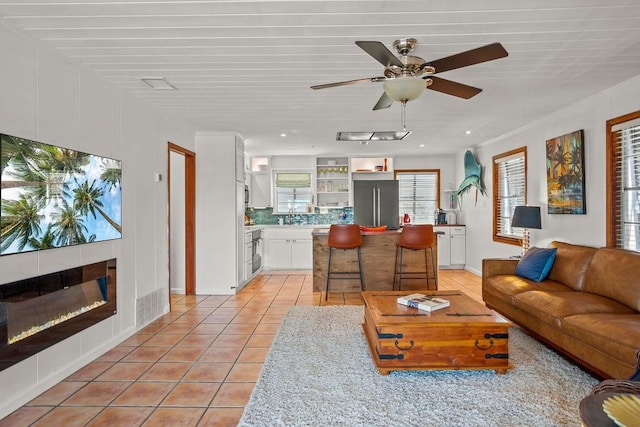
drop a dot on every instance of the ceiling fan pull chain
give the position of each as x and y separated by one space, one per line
402 115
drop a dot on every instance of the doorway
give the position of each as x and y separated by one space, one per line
181 182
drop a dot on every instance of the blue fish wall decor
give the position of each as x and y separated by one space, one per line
472 177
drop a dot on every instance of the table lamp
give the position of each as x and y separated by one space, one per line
526 217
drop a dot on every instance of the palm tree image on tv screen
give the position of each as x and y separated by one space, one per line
54 196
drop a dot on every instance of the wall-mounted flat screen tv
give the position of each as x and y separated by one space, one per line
53 196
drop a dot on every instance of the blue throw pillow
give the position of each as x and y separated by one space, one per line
536 263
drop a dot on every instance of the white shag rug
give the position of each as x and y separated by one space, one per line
319 372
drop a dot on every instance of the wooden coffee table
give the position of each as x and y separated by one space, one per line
466 335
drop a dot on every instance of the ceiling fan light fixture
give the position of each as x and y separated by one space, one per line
404 89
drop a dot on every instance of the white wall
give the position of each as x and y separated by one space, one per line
446 164
590 229
293 162
49 100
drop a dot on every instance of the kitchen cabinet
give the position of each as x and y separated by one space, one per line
260 190
288 248
332 181
248 236
239 233
219 212
277 254
451 246
302 253
458 246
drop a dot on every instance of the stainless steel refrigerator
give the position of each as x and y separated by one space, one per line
375 203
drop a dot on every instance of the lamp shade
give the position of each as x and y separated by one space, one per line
526 217
403 89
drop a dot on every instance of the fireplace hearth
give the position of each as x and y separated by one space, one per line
41 311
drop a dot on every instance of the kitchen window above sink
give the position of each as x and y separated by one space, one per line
293 193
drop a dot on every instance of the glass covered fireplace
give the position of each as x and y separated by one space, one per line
41 311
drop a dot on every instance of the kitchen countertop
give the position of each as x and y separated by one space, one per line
322 230
263 226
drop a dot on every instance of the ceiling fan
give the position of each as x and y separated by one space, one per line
407 76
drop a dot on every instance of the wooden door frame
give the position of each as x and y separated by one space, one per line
189 214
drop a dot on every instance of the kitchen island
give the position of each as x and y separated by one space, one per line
378 256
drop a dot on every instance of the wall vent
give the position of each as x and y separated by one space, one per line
149 307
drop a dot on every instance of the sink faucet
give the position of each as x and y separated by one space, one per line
290 216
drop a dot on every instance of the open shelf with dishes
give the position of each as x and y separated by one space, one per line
332 181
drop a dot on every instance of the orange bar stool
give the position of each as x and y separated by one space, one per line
415 238
344 237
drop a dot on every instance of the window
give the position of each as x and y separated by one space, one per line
623 182
509 191
292 191
419 192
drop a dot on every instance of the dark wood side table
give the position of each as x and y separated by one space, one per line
591 413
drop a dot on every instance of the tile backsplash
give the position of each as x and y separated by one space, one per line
265 216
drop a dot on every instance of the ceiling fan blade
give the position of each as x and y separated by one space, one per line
349 82
380 52
453 88
384 102
470 57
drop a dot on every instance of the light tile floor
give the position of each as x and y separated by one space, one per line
195 366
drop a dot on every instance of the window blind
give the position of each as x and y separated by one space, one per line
511 188
418 195
293 179
626 188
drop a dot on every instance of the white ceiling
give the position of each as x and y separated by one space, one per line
247 66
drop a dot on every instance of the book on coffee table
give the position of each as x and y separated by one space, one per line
423 302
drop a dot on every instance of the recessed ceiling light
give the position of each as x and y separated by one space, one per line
421 145
158 83
283 134
468 132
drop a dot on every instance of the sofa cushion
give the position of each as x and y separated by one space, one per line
552 307
617 334
571 264
614 273
536 263
507 285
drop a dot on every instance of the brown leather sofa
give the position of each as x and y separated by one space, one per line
587 309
